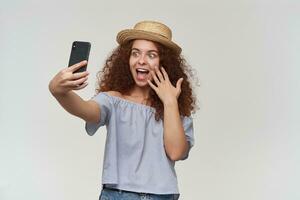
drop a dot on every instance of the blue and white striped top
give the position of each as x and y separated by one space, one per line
135 158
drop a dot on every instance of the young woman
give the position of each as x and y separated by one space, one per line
145 100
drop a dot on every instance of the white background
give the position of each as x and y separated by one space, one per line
246 54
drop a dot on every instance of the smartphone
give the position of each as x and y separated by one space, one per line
80 51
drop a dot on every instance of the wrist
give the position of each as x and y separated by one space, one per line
170 102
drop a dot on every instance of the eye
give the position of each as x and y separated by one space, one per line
152 55
134 53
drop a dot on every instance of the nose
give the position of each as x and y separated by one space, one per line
142 59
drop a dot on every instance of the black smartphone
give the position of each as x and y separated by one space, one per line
80 51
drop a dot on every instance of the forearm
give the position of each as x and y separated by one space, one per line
74 104
174 137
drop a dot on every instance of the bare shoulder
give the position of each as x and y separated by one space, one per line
115 93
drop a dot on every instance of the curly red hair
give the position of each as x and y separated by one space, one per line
116 76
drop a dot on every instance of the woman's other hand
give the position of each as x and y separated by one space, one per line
164 89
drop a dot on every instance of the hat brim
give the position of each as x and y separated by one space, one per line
131 34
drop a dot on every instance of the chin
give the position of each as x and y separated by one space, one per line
142 84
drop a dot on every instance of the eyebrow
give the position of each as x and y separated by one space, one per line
147 51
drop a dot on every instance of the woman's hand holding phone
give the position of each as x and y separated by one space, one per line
66 80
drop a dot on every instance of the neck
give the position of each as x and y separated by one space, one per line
140 92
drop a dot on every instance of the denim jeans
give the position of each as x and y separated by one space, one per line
108 194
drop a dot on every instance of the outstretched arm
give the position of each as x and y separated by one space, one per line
61 87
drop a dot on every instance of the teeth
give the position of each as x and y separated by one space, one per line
142 70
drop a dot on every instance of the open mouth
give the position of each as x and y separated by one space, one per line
142 73
141 70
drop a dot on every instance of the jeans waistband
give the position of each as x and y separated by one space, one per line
104 186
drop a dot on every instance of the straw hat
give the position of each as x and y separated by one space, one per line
149 30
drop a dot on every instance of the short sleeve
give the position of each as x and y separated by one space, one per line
105 105
189 133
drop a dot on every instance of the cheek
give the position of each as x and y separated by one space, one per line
131 63
153 63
